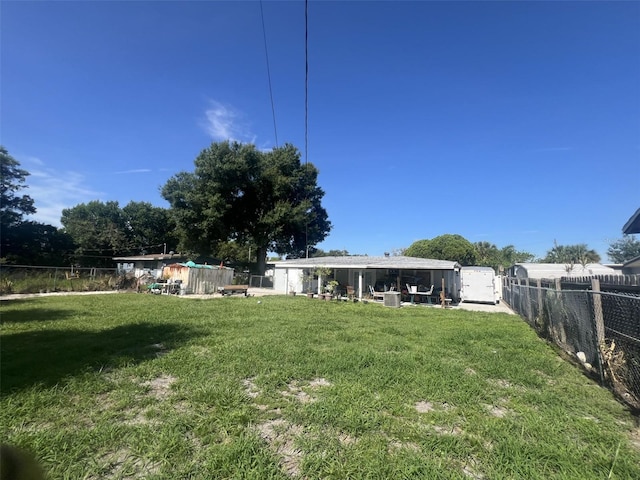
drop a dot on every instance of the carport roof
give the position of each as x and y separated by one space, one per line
633 225
365 262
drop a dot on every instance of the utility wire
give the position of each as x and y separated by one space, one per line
306 81
266 54
306 108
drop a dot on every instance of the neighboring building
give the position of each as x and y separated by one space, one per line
198 278
633 225
360 272
632 266
153 263
558 270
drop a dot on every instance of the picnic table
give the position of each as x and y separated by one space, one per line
231 289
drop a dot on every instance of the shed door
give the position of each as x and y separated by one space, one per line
478 286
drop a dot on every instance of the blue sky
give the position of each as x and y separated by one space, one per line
508 122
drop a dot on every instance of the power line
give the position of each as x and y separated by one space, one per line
306 81
266 54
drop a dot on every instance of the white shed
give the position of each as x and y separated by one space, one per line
478 284
559 270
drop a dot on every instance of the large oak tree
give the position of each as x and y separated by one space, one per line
451 247
241 194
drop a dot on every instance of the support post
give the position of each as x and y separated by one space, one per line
528 300
598 317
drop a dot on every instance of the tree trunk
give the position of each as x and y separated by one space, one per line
261 260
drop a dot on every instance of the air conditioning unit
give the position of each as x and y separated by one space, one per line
392 299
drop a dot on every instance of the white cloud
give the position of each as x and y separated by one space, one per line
223 122
53 191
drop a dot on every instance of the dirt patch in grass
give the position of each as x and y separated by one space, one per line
250 388
454 430
123 466
296 389
497 411
470 470
398 445
281 435
160 387
424 406
635 438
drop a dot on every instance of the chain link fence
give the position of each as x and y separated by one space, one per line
599 328
261 281
35 279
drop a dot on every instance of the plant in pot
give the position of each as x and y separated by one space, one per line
330 288
307 281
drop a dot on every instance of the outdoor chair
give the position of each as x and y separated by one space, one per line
351 292
375 295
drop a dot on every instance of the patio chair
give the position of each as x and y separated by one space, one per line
375 295
351 292
428 294
412 290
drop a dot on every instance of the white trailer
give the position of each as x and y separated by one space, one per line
478 284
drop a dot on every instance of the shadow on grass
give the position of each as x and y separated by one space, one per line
47 357
36 315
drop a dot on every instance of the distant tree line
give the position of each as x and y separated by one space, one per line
238 204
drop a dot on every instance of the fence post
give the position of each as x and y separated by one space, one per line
539 296
539 291
599 323
528 297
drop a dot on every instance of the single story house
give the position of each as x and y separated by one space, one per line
364 272
550 271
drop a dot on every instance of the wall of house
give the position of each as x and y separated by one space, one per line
288 280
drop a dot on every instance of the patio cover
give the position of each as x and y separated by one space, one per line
364 262
633 225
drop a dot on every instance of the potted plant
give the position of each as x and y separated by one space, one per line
330 289
307 281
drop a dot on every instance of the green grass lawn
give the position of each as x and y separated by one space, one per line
142 386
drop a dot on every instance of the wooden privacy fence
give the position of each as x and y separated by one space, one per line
597 324
203 279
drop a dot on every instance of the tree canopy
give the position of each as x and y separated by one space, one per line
571 254
419 249
459 249
239 193
24 241
488 255
102 230
12 178
451 247
624 249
